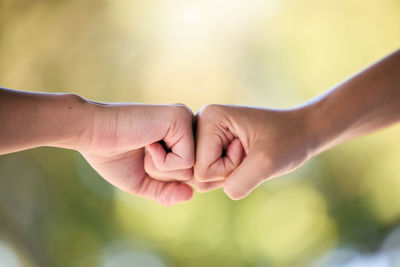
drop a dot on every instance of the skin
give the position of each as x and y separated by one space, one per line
238 148
120 141
148 150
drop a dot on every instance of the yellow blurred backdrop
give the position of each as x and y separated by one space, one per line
340 209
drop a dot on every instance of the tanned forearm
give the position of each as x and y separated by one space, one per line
30 120
365 103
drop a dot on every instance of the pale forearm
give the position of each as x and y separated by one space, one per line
365 103
29 120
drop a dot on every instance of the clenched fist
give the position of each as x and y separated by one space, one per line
241 147
146 150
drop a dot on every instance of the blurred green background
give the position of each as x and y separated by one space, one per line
341 209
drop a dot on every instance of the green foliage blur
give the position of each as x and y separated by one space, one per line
343 207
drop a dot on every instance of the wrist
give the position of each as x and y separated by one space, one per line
74 116
320 131
300 121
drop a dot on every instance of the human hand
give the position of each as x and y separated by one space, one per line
241 147
145 150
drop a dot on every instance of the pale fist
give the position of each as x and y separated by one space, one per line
145 150
241 147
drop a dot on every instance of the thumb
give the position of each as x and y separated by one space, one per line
180 156
251 173
214 163
216 154
176 149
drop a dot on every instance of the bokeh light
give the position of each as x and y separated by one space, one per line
340 209
8 256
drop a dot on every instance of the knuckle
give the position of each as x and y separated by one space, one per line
210 109
208 175
159 166
201 175
202 189
207 187
182 109
188 163
235 194
163 202
183 162
202 178
160 199
148 166
185 175
160 196
151 172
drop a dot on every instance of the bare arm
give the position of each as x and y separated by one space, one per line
30 120
366 102
240 147
120 141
